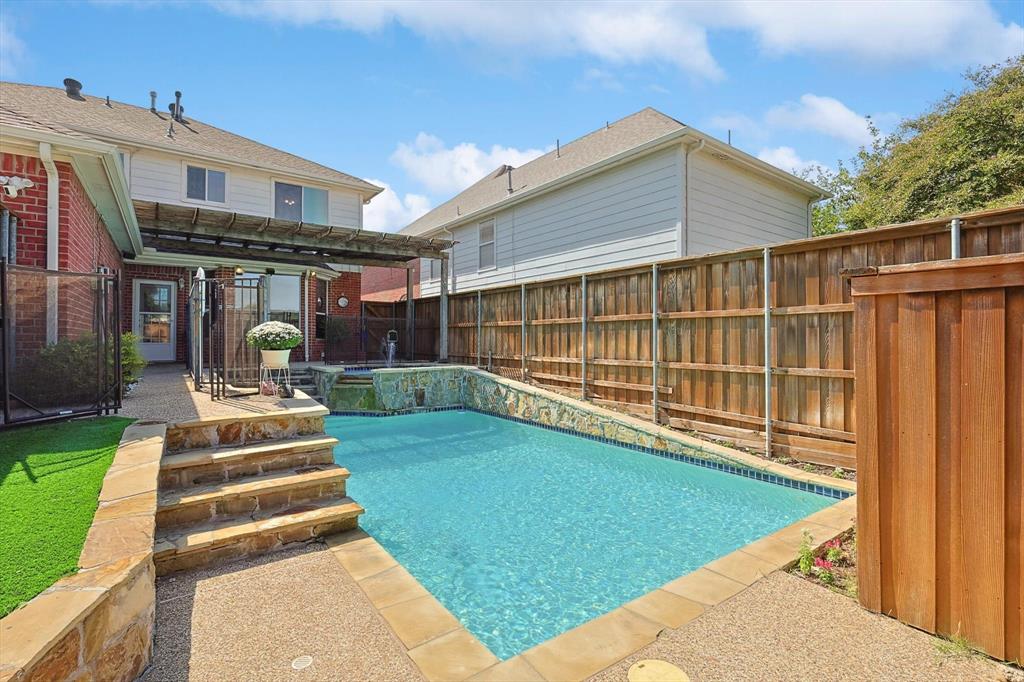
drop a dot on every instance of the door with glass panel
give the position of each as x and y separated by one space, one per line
153 319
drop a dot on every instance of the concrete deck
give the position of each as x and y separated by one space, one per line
165 393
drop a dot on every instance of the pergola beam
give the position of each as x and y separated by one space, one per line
260 254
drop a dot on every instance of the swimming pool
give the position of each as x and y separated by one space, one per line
524 533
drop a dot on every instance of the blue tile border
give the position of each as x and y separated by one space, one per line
824 491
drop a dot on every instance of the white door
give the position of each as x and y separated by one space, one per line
154 321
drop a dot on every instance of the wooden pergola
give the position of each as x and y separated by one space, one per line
186 230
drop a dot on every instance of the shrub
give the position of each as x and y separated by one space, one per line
132 362
806 553
274 335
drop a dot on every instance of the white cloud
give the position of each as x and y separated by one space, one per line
945 32
787 159
12 51
614 32
948 32
388 212
447 170
825 115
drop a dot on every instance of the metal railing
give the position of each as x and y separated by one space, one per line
220 312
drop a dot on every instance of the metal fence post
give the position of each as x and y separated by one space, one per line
522 331
654 343
767 352
583 336
5 323
954 238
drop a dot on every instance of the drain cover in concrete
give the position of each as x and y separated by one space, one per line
302 662
652 670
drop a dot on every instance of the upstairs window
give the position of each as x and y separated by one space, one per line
205 184
301 204
485 241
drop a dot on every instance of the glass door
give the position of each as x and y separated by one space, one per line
154 319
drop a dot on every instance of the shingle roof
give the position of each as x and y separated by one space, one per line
45 108
608 141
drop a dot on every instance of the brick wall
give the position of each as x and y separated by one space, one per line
162 273
30 207
388 284
347 284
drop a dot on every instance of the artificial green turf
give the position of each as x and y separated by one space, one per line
50 480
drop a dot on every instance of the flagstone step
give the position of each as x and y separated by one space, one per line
229 539
249 494
302 416
211 465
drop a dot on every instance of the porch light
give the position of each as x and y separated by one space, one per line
239 270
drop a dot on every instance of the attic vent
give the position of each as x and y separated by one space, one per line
73 88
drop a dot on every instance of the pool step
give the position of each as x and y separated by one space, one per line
249 495
211 465
224 540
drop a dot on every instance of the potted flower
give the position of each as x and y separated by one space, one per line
275 341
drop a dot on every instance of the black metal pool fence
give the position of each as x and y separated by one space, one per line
60 346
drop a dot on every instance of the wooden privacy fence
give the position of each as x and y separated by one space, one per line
685 339
940 447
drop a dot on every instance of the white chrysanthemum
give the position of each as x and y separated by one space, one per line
274 335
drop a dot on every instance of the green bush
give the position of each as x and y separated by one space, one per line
66 374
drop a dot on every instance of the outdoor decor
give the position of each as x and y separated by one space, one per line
275 341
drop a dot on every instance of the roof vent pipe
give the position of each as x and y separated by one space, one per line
558 148
152 101
73 88
177 105
509 173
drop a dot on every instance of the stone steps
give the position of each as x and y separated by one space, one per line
215 464
249 495
236 537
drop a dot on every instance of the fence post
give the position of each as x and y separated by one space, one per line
522 331
583 337
767 351
479 326
410 314
118 374
954 238
442 349
654 343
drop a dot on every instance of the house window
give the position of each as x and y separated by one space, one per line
485 235
298 203
321 308
285 298
435 269
205 184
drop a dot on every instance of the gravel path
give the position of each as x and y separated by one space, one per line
249 620
785 628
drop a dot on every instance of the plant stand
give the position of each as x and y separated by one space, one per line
272 378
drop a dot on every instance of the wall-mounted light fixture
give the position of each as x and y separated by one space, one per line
239 270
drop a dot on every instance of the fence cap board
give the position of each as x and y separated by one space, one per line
982 272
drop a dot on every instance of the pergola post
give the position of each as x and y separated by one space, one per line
410 313
443 341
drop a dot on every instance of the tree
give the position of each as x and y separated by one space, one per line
965 154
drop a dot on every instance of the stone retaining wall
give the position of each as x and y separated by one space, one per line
98 623
409 388
305 417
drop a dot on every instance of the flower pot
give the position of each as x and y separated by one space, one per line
275 359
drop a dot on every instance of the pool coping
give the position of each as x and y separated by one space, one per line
444 650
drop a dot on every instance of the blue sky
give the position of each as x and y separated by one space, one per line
427 97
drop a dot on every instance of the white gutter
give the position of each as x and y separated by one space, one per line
52 237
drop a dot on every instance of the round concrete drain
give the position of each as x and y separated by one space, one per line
302 662
652 670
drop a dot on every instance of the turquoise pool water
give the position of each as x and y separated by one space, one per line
523 532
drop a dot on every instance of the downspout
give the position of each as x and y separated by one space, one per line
696 147
451 259
52 237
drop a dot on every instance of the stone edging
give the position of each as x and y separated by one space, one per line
444 650
98 623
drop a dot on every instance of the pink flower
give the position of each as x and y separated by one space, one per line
833 544
822 563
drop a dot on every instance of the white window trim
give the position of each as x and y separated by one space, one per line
494 244
430 270
203 202
300 183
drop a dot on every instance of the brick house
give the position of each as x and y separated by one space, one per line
106 185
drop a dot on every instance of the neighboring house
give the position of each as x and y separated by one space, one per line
641 189
94 161
388 285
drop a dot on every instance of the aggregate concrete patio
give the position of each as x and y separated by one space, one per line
251 619
165 393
